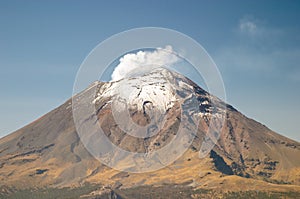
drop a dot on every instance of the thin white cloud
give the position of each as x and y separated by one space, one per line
142 61
258 30
261 48
251 26
261 67
248 27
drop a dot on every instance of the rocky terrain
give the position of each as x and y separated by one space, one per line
48 155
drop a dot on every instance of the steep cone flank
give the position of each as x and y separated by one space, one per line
248 155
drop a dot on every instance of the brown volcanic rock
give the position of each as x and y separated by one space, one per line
248 155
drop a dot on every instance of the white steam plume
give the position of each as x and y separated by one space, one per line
143 61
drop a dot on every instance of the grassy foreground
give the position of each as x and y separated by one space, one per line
144 192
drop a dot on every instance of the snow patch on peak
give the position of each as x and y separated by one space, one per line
153 88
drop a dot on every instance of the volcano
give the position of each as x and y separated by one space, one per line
141 117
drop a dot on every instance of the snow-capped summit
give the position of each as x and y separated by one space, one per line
51 152
158 89
154 89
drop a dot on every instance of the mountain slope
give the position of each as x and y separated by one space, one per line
49 153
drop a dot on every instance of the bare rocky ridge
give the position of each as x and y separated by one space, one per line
49 153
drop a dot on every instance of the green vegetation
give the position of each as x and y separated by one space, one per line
260 195
162 192
145 192
181 192
50 193
168 192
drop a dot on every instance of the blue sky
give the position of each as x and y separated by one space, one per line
255 44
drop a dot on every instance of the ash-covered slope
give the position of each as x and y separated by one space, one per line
49 152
